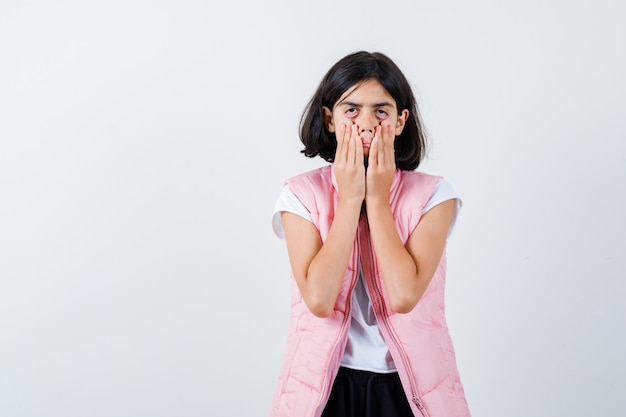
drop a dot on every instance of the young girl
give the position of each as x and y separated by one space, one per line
366 239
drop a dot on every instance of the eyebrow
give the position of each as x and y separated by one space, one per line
353 104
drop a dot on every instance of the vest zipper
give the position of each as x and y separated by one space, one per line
328 383
385 320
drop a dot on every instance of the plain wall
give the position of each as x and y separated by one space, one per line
143 145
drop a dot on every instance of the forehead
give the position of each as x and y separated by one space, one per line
368 92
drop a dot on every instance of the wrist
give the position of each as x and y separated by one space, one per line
350 203
376 202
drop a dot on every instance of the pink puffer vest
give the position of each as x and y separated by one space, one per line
419 341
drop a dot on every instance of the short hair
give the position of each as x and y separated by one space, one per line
353 69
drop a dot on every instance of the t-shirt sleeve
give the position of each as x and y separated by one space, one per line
287 201
443 192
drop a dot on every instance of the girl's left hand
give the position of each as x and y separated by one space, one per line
381 165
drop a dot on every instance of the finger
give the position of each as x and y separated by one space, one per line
354 144
340 154
358 147
374 156
388 140
382 145
390 136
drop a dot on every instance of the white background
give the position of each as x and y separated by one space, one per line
143 145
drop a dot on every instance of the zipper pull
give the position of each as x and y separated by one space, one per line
420 406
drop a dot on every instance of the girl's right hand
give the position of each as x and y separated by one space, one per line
349 167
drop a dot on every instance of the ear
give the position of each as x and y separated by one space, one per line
328 119
403 116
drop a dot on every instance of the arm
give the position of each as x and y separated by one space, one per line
319 268
406 269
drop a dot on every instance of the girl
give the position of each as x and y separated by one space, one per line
366 241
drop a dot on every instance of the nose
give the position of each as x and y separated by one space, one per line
367 122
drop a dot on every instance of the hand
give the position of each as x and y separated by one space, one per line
381 164
348 166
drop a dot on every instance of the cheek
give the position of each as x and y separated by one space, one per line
340 120
398 127
389 121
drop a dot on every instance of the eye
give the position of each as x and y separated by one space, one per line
350 112
381 114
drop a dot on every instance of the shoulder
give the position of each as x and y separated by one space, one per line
315 189
318 174
417 177
312 182
417 184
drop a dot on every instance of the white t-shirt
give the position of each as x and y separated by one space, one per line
366 349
